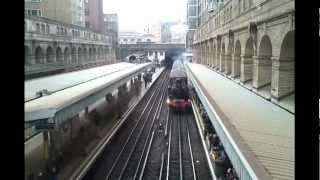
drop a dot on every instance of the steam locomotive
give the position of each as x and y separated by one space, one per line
178 92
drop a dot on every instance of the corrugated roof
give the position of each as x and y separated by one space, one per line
266 129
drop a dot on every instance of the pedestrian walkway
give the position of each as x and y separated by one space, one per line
263 131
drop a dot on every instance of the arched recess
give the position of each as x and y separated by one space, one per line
99 53
59 55
94 54
222 58
228 58
236 60
74 55
66 55
80 55
27 55
39 57
50 55
263 64
85 55
247 62
283 74
90 54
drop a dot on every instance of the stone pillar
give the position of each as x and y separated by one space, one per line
236 60
261 71
282 78
246 68
222 63
227 59
217 61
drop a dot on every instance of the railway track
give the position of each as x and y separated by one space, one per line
123 154
185 157
153 143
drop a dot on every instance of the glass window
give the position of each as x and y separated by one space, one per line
34 12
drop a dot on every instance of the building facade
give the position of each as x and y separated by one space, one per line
166 36
66 11
50 43
111 27
192 22
251 41
130 37
94 15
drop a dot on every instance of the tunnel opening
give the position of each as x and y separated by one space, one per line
171 55
132 58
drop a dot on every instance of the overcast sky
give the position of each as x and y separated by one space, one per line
134 15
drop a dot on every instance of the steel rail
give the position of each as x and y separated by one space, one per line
169 146
180 153
190 149
167 121
161 168
137 140
146 159
133 129
197 119
144 147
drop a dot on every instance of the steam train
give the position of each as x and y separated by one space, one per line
178 92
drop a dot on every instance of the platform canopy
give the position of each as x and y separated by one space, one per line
71 92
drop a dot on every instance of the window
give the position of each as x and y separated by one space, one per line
36 12
48 30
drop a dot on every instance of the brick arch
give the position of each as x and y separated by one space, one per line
228 58
85 55
66 54
50 55
247 61
283 73
27 55
265 46
80 55
263 65
236 59
59 55
39 55
287 47
74 55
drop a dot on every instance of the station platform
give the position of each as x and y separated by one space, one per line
258 135
70 93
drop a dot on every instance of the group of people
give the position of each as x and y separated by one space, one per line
223 167
147 78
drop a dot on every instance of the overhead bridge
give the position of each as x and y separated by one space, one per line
148 48
257 135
